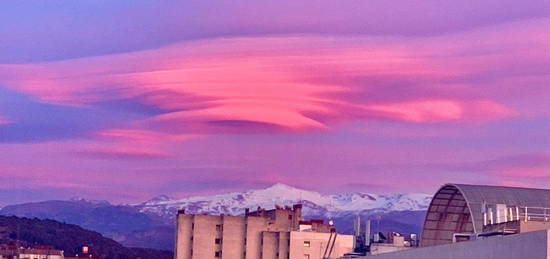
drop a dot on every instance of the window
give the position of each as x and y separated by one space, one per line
191 238
218 241
306 256
218 254
289 217
307 244
218 227
193 226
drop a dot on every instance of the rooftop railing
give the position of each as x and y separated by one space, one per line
500 213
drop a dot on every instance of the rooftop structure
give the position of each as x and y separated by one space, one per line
489 222
467 209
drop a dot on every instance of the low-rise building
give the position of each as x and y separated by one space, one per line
10 252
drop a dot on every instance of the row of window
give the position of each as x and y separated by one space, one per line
218 227
218 241
216 254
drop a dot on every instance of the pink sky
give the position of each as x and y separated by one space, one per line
324 99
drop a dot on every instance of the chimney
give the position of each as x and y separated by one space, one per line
357 226
367 233
297 211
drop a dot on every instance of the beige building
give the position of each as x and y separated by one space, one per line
313 245
262 234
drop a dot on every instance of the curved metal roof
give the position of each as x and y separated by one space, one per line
457 208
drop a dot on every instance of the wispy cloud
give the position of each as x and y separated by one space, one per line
131 144
3 120
280 104
298 83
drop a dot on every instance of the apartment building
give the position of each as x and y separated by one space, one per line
280 233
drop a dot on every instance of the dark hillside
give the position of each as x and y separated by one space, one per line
69 238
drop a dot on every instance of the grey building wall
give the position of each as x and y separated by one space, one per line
531 245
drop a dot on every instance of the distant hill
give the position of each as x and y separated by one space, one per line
125 224
69 238
151 224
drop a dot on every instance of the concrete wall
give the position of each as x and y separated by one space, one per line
533 226
532 245
234 233
254 228
387 248
206 230
270 245
284 245
183 236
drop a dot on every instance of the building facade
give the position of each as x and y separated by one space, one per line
262 234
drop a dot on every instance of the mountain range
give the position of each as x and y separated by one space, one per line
151 224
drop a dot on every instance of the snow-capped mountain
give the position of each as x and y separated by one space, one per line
315 204
151 224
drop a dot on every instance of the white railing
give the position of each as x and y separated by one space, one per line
500 213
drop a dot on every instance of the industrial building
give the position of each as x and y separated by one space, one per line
280 233
475 222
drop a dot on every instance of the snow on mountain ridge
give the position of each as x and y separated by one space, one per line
235 203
